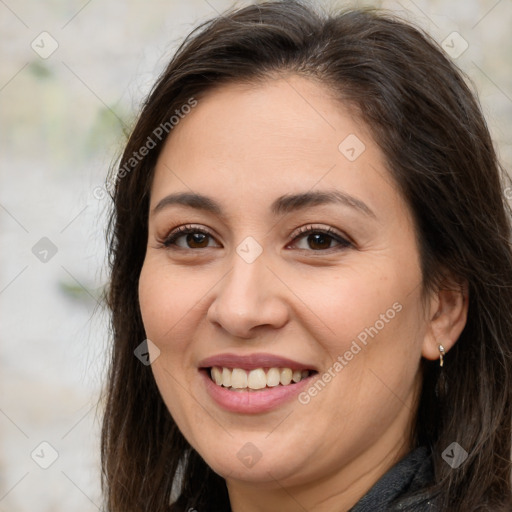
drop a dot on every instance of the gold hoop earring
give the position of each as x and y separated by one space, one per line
441 355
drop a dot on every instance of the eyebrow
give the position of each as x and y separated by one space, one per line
282 205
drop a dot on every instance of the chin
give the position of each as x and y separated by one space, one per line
244 461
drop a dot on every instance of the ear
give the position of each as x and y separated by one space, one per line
447 315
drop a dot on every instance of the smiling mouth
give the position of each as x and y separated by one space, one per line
238 379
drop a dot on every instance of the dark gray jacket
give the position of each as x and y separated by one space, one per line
412 474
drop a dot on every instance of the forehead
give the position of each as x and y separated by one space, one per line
281 136
282 118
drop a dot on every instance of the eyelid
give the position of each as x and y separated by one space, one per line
183 230
312 228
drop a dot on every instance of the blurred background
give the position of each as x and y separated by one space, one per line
72 77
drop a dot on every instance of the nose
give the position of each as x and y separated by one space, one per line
248 298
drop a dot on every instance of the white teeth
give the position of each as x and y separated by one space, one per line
256 379
273 377
297 376
217 375
226 377
286 376
238 379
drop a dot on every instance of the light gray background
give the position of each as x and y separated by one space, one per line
60 130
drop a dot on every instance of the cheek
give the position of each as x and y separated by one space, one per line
350 304
166 303
371 327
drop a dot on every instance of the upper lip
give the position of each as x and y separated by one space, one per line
253 361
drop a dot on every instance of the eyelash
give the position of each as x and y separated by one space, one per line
302 232
183 230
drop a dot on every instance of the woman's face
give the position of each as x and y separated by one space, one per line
299 262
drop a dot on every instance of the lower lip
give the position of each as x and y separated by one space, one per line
252 402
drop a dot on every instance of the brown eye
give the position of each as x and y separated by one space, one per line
197 240
189 238
320 240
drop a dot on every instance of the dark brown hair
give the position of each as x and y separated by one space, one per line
440 154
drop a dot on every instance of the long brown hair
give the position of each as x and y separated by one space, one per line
440 154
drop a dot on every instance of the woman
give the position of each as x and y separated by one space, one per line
310 257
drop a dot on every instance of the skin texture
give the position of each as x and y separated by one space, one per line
244 146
